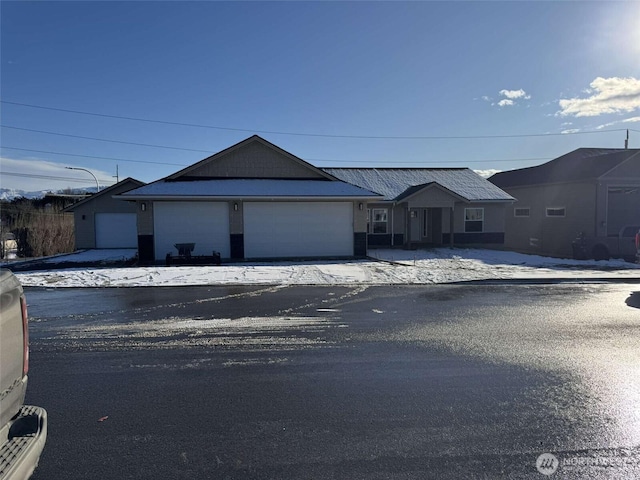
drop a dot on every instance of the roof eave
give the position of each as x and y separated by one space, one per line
246 198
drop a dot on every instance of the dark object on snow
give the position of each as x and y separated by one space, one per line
184 256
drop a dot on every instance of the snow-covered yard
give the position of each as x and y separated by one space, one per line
388 267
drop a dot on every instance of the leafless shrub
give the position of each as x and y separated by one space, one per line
43 231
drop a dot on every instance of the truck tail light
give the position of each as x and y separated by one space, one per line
25 337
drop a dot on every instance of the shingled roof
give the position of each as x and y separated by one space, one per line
581 164
397 183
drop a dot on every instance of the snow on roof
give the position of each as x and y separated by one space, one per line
392 182
249 188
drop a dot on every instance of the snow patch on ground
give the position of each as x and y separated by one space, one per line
387 267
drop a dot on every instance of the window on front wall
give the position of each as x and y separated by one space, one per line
474 219
521 212
377 220
555 211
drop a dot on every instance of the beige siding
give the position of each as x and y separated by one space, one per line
145 218
254 160
433 198
359 217
550 235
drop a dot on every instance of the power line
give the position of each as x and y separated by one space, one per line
310 159
273 132
91 156
105 140
49 177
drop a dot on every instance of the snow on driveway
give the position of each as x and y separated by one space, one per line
387 267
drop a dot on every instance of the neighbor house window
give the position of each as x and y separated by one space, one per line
521 212
555 211
474 219
378 220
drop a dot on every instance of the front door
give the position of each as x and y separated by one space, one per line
435 226
415 225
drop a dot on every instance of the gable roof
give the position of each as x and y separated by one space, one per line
397 183
129 182
419 188
580 164
184 173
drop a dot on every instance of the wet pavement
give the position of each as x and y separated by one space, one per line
338 382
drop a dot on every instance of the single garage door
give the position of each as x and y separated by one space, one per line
116 230
298 229
204 223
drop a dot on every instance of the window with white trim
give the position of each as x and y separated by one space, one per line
473 220
555 212
521 212
377 220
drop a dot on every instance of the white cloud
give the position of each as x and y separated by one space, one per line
570 130
610 124
486 98
510 97
487 173
505 102
607 95
33 175
514 94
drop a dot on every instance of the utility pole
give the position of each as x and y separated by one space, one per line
117 175
626 142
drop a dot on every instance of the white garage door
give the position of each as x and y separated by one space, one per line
116 230
298 229
204 223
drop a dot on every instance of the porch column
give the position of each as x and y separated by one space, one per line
451 227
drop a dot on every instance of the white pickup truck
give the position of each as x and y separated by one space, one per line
23 428
622 245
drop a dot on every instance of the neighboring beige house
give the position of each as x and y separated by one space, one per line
251 200
590 190
100 221
426 207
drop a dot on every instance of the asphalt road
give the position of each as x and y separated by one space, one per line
411 382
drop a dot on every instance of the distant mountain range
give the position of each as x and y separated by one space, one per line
9 194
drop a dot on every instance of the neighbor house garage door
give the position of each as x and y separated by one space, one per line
298 229
204 223
116 230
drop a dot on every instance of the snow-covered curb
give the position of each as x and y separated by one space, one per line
395 267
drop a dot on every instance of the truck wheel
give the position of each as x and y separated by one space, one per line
600 252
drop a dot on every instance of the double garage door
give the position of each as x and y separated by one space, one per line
271 229
298 229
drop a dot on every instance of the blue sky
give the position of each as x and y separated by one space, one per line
330 82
